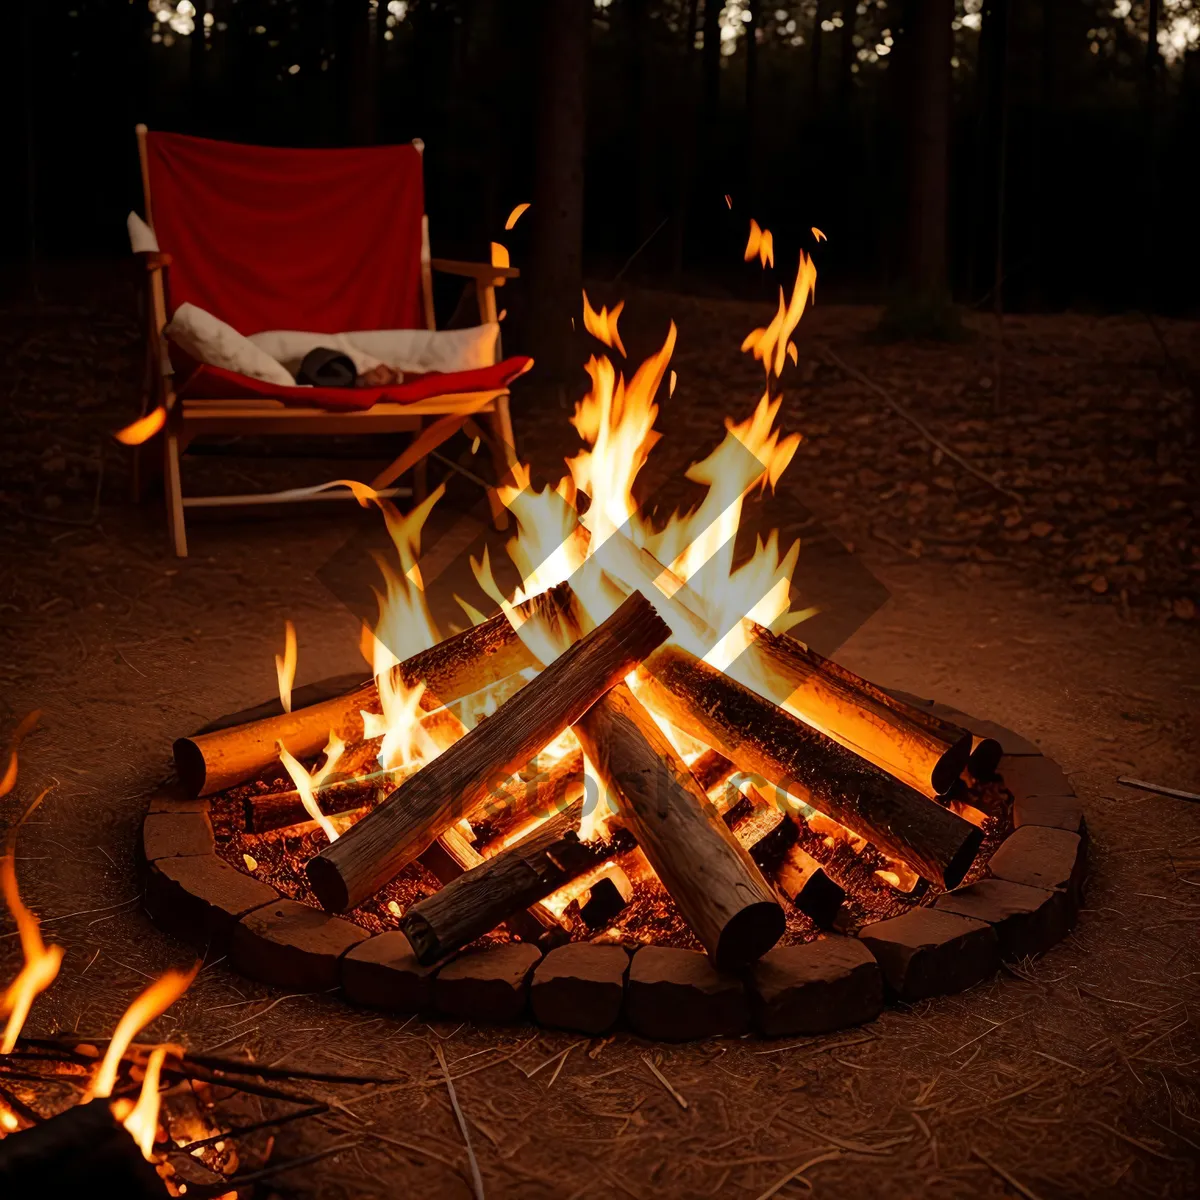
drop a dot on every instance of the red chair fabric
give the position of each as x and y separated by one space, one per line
267 238
215 383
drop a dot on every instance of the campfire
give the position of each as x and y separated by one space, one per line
634 748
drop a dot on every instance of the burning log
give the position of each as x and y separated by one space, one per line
279 810
806 884
551 857
355 866
771 835
528 871
912 743
764 739
712 769
533 793
452 857
720 892
924 750
457 667
84 1151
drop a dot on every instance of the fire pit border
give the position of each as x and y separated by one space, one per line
1028 901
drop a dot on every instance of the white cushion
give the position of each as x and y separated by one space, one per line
141 236
410 351
210 340
419 351
289 347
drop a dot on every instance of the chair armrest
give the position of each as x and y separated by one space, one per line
483 272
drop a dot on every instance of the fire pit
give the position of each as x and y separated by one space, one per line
630 794
853 937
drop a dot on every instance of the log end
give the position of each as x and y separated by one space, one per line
422 937
189 766
749 934
330 888
985 757
820 899
957 868
949 768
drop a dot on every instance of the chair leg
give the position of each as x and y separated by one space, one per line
420 475
503 456
173 490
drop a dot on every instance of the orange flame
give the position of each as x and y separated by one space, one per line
603 324
22 731
761 243
769 345
142 1121
148 1006
285 666
819 235
307 784
513 218
499 255
41 961
143 429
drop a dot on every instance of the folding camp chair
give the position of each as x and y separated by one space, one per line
329 241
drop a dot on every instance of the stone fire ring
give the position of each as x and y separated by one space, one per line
1028 901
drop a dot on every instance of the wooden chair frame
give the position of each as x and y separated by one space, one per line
431 421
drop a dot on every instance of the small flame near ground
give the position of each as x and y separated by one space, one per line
143 429
285 666
41 961
22 731
141 1119
147 1007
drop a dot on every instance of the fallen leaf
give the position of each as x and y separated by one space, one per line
1099 585
1041 529
1184 608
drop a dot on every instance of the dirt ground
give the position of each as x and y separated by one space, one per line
1074 1075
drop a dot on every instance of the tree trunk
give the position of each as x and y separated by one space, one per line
711 95
1149 223
848 57
642 114
924 49
752 140
557 256
820 13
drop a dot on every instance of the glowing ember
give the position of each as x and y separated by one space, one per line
150 1005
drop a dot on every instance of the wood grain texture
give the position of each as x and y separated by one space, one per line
919 747
452 785
787 753
721 893
489 893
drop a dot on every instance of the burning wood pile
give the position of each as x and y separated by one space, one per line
114 1116
635 716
